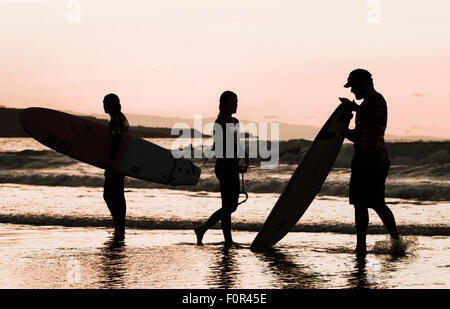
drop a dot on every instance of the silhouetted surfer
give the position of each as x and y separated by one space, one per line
370 163
226 170
114 183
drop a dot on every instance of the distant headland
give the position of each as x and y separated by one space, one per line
10 126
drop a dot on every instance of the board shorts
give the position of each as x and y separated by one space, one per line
228 176
368 178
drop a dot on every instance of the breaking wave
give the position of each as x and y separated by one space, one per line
419 170
396 187
290 152
33 159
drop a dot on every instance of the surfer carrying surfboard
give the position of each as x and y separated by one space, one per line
370 163
113 193
226 170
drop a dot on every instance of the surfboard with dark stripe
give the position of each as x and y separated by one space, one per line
89 142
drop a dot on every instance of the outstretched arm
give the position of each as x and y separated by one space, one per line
374 113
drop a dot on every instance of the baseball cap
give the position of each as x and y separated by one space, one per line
358 74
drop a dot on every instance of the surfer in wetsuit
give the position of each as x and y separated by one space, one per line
226 169
114 183
370 163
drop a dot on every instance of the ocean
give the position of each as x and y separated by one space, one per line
53 220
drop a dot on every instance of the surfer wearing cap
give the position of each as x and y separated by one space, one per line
114 183
370 163
227 169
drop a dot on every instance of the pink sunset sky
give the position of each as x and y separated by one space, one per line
286 59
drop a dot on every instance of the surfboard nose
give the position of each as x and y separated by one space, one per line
23 117
26 118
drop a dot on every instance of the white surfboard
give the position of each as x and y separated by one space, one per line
148 161
90 142
305 183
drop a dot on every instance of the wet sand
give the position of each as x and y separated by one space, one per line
62 257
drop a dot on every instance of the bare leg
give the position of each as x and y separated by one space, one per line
115 200
388 219
361 222
120 214
226 227
201 230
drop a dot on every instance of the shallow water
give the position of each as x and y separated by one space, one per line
173 209
58 257
55 231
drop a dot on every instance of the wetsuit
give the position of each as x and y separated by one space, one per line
226 168
370 163
227 173
113 193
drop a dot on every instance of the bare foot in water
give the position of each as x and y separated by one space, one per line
398 246
230 243
119 234
199 235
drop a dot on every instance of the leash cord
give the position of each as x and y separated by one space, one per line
243 191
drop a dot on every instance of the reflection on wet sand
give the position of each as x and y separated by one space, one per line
224 270
360 277
369 272
113 266
290 274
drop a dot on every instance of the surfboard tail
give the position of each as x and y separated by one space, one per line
195 171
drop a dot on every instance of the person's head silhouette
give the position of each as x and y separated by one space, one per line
360 81
228 103
111 104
